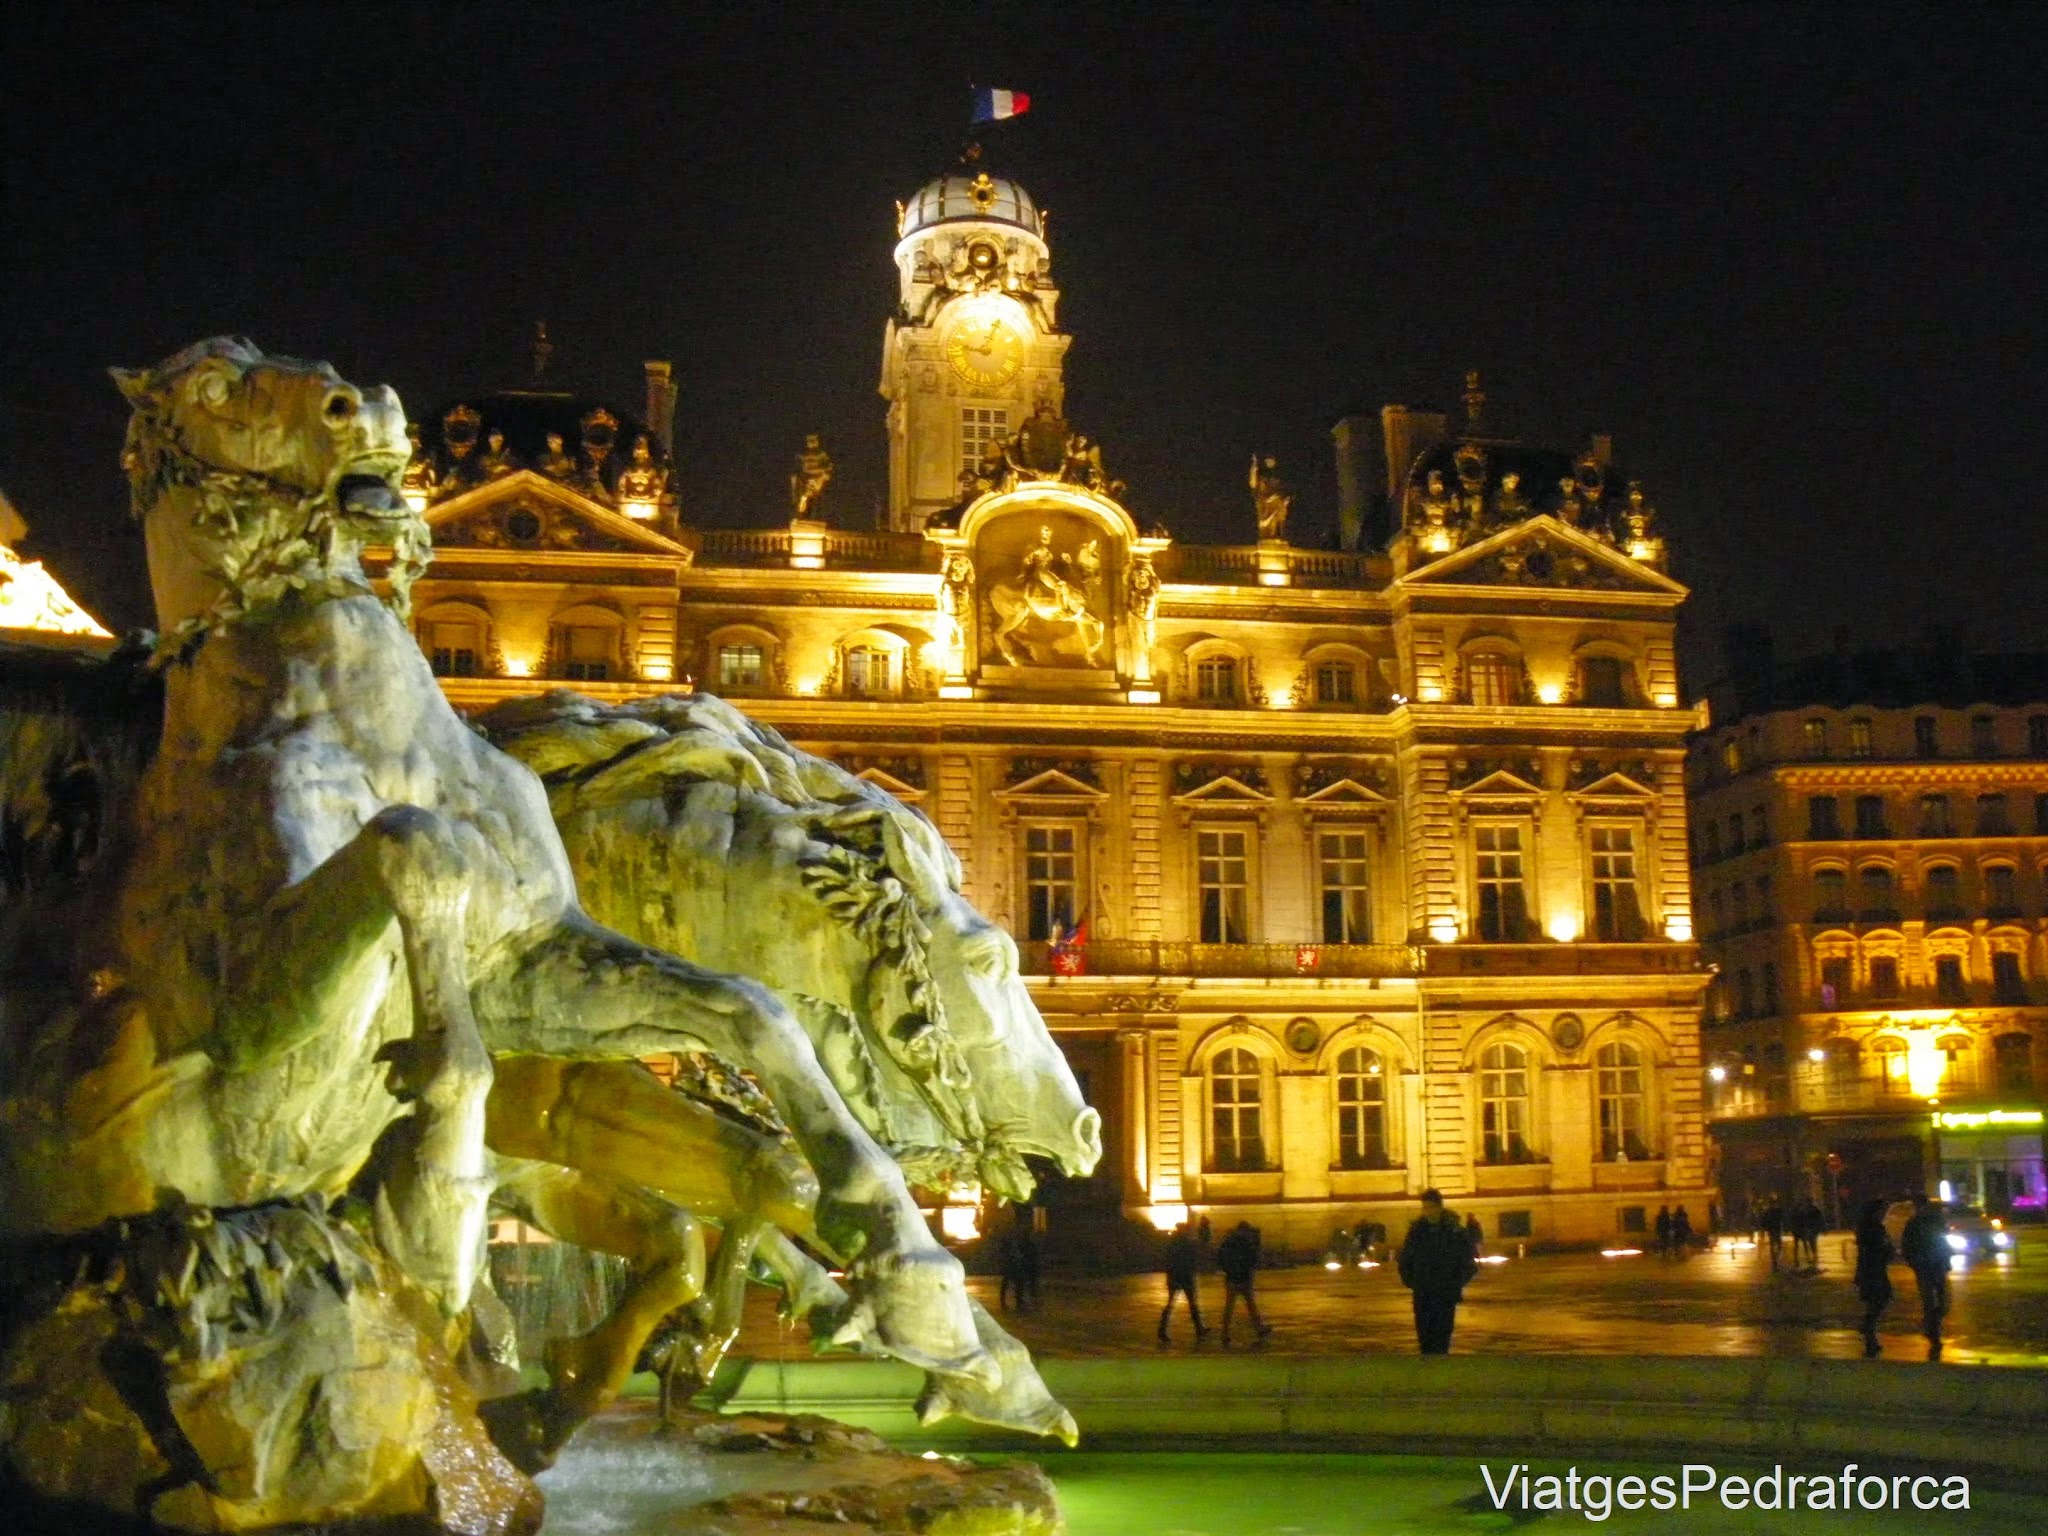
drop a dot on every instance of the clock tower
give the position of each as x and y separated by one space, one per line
972 347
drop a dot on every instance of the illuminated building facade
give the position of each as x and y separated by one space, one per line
1378 853
1870 843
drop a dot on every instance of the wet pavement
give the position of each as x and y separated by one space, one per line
1725 1302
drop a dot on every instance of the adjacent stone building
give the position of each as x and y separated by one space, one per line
1338 872
1870 845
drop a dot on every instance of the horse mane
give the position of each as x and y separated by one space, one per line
878 867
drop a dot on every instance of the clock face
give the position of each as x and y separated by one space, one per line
987 354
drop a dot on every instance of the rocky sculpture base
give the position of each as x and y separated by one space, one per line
772 1474
242 1371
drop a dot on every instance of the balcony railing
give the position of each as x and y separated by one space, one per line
843 549
1168 957
1815 1090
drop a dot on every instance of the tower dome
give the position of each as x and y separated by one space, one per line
969 192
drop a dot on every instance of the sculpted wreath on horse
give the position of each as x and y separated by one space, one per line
342 933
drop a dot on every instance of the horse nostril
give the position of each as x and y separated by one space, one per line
342 406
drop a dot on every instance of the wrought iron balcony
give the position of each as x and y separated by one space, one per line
1169 957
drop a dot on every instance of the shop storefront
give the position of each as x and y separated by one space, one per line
1992 1158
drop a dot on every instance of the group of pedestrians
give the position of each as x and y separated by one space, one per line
1802 1222
1674 1232
1923 1244
1237 1260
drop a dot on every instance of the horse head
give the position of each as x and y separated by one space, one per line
255 476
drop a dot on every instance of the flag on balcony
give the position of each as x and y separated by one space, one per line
992 106
1068 949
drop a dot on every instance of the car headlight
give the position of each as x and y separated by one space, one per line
1957 1241
2001 1239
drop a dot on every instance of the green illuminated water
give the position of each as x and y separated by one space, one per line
606 1487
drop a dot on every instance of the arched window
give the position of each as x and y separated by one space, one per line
1958 1064
1237 1134
1504 1104
1892 1074
1944 892
1842 1067
1619 1067
457 640
2001 891
1493 678
870 672
1830 895
1603 682
2014 1057
739 665
1874 883
1335 681
1216 679
1361 1109
586 645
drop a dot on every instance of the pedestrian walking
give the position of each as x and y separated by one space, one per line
1807 1224
1476 1234
1774 1229
1924 1246
1019 1261
1681 1233
1237 1256
1436 1262
1663 1231
1874 1254
1181 1254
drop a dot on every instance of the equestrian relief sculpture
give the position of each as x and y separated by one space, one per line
333 993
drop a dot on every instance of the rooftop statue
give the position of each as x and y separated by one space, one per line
642 479
557 463
1272 497
813 474
337 902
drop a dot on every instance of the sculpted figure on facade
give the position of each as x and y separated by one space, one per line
1141 601
496 461
421 482
383 910
1043 594
557 463
1272 497
813 474
1039 448
956 601
643 478
1510 504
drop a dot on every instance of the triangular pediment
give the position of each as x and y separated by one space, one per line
1616 786
1224 789
1543 552
1496 778
528 513
1345 791
882 779
1051 784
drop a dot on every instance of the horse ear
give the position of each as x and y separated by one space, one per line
911 862
134 383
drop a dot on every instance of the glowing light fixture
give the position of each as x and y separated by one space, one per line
1550 693
1816 1055
1620 1253
1718 1073
1493 1258
960 1223
1430 693
1165 1218
1444 930
519 666
1143 695
1924 1063
1678 929
955 691
641 511
1562 926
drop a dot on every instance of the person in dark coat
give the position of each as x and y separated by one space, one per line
1436 1262
1924 1246
1774 1229
1807 1226
1019 1264
1681 1233
1874 1254
1182 1253
1237 1256
1663 1231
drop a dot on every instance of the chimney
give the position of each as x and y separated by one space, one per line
1408 434
1358 492
661 404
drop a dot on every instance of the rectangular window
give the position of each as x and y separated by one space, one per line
1222 876
2001 891
1759 828
453 649
1934 816
1823 818
1602 683
1830 896
1216 680
1984 735
739 666
1497 876
1347 888
1992 820
1493 679
980 426
1884 977
1836 973
1766 910
1870 820
1770 986
2007 986
588 649
868 672
1926 736
1948 978
1616 902
1816 734
1859 738
1051 881
2041 815
2037 735
1516 1224
1335 683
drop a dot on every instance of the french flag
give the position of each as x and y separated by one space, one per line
995 106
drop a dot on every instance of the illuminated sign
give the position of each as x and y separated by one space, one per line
1983 1119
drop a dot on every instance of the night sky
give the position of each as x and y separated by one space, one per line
1791 260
